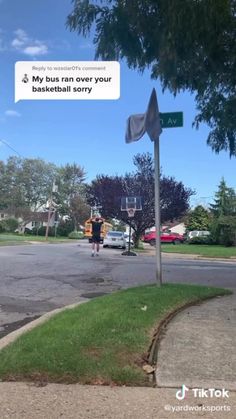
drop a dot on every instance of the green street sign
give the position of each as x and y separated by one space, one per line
171 119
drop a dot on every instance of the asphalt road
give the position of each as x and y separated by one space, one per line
38 278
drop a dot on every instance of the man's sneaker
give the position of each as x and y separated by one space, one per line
92 254
97 254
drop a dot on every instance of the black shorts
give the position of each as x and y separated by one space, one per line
96 239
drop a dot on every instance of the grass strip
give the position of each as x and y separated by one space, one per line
101 342
210 251
13 239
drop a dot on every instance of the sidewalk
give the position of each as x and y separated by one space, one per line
55 401
198 350
199 347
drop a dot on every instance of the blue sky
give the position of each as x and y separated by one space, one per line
91 133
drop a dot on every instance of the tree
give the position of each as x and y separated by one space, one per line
223 226
9 225
187 44
79 211
198 219
107 191
70 198
11 194
223 230
225 201
36 178
70 179
25 185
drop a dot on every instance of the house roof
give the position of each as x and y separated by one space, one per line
40 216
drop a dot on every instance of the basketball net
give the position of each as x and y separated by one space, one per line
131 212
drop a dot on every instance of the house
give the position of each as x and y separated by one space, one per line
3 216
33 219
40 219
174 227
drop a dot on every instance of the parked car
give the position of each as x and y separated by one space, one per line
197 233
174 238
115 239
127 239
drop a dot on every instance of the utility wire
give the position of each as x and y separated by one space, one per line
8 145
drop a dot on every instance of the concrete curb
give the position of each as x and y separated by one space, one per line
11 337
231 259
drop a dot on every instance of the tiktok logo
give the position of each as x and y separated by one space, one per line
180 394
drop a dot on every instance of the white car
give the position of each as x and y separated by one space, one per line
115 239
197 233
127 239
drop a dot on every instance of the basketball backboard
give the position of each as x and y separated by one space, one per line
131 202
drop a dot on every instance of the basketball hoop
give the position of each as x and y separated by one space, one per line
130 204
131 212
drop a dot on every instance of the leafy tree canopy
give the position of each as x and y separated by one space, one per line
79 211
198 219
188 44
26 186
108 190
70 181
25 183
225 201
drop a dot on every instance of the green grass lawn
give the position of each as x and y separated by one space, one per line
100 342
11 239
211 251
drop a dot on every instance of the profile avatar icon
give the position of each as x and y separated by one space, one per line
25 79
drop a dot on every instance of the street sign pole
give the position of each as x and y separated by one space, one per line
167 120
157 211
152 122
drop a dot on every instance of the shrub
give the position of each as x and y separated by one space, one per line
76 235
65 228
10 225
35 231
227 237
223 229
201 240
42 231
2 227
28 231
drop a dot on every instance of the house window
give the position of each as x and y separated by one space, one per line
1 215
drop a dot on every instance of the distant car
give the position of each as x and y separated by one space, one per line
115 239
127 239
197 233
174 238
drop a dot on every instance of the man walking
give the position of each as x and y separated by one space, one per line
96 222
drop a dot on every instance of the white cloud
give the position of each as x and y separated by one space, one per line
22 35
12 113
36 50
17 43
28 46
